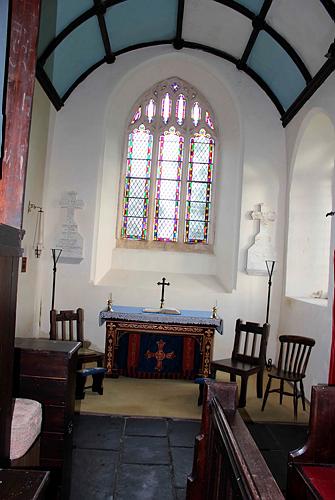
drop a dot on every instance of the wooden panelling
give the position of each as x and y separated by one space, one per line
45 370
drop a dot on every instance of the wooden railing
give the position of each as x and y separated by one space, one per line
227 463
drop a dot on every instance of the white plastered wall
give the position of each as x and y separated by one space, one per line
300 317
85 140
29 298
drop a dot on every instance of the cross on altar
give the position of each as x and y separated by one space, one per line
160 355
163 284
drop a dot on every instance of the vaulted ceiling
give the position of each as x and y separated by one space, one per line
286 46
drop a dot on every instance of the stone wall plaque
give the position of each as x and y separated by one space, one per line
69 240
262 249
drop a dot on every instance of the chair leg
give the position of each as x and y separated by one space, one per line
268 385
201 394
281 393
243 394
97 383
295 400
260 384
232 377
80 387
302 392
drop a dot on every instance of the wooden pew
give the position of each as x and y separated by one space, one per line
311 469
227 463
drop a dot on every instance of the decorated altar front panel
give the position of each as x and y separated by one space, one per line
151 345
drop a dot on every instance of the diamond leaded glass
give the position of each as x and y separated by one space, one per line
168 181
199 188
137 185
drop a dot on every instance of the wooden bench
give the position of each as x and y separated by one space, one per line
227 462
311 469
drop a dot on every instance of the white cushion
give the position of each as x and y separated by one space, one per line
26 426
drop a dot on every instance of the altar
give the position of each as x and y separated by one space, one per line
155 345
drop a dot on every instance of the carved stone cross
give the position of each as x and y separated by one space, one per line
70 202
160 355
263 216
262 249
69 239
163 284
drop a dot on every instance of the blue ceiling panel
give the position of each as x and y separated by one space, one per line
253 5
48 23
69 10
134 22
277 69
81 49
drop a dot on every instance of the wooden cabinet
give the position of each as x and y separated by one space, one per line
45 370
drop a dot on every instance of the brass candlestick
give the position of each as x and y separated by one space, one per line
215 312
109 305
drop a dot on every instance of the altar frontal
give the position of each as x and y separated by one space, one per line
155 345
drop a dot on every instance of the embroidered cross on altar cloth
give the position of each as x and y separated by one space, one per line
160 355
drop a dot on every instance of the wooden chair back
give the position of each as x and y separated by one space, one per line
67 325
294 354
250 342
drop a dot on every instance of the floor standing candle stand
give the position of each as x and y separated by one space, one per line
270 264
55 257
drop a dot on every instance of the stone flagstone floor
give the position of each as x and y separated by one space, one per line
126 458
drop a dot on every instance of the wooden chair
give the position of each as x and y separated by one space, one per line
292 363
69 325
248 357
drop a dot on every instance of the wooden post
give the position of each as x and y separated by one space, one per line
24 23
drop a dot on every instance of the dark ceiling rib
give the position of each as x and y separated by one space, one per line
330 7
238 7
82 77
258 25
49 89
93 11
178 42
249 71
101 11
318 79
211 50
63 34
290 50
265 87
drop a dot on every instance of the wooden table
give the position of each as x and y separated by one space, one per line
195 324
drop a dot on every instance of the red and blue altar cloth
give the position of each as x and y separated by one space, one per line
155 354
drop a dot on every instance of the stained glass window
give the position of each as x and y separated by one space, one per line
199 187
167 199
196 113
209 120
137 115
180 109
169 167
137 185
151 110
166 107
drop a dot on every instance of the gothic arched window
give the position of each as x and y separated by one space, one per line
168 171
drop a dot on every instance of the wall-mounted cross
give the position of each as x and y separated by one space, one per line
163 284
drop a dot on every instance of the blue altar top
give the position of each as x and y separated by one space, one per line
186 316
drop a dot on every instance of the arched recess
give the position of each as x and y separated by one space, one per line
310 198
216 271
